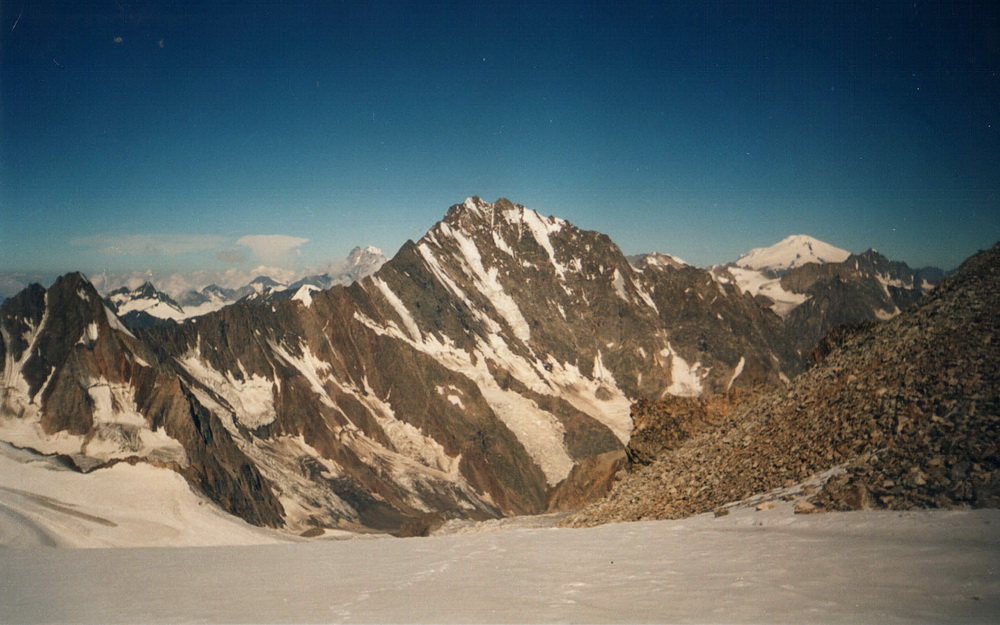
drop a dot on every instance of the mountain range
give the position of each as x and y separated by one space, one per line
146 306
485 370
896 415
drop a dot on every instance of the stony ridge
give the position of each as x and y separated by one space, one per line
908 408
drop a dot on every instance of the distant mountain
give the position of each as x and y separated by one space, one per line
656 259
360 263
145 306
814 286
759 271
264 284
211 298
791 252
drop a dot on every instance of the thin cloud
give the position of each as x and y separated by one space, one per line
230 255
273 249
150 244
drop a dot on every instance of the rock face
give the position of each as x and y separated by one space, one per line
816 288
76 382
865 287
908 408
730 339
486 370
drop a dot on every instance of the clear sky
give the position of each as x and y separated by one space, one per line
174 136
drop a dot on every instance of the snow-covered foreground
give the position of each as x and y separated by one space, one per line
749 566
43 503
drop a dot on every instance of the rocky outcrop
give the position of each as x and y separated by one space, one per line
909 409
664 425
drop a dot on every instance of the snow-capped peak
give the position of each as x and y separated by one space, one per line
147 299
369 259
304 294
792 251
656 259
262 284
475 203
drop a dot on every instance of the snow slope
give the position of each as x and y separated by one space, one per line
759 283
792 251
769 566
43 503
746 567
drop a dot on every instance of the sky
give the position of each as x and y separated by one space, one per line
162 137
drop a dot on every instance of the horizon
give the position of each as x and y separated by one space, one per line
170 139
179 283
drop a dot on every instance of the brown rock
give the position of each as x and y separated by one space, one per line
804 507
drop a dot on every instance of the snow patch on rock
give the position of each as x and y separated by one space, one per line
250 397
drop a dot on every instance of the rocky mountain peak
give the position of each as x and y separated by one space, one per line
475 214
146 289
73 281
360 254
144 306
656 260
263 283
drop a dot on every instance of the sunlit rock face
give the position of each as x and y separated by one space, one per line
486 370
77 383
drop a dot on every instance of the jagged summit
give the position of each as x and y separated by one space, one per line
475 208
657 259
358 253
791 252
144 302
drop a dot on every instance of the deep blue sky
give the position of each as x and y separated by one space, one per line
154 134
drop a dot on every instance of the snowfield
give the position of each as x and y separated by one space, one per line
750 566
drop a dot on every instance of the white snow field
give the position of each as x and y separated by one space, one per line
750 566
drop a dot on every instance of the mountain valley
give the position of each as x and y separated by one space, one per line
486 370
